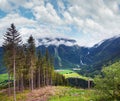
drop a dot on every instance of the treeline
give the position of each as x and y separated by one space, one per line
26 66
80 83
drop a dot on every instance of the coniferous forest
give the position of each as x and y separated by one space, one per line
27 68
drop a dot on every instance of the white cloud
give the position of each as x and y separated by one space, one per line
10 5
17 20
61 6
54 41
68 18
93 20
5 6
47 14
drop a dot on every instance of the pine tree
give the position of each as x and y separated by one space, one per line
39 68
12 40
20 67
47 66
51 70
31 51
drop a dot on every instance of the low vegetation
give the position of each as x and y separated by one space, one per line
52 93
108 83
20 96
72 94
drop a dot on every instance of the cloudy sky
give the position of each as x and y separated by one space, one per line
87 21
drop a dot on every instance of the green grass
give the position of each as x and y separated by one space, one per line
3 77
57 93
20 96
65 71
71 74
3 80
61 94
73 94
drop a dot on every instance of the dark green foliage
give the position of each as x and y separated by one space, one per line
31 45
32 60
108 83
46 69
59 79
78 82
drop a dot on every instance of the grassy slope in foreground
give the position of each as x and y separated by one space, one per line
71 74
52 93
72 94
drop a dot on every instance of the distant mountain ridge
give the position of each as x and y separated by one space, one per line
67 54
89 59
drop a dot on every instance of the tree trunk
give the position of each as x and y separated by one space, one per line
47 78
21 83
9 89
18 84
32 79
44 76
29 83
39 77
14 74
89 84
51 78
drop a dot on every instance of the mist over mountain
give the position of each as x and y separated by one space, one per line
56 41
90 59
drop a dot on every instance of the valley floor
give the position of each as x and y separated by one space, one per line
52 93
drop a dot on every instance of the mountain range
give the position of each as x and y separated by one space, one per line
68 55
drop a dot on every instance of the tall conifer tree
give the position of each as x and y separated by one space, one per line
31 50
12 40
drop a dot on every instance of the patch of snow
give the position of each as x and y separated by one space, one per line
97 45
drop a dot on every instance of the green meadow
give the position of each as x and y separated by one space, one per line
3 77
71 74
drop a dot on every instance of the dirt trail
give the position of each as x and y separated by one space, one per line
41 94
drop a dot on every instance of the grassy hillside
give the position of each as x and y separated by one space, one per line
3 80
3 77
72 94
76 80
71 74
